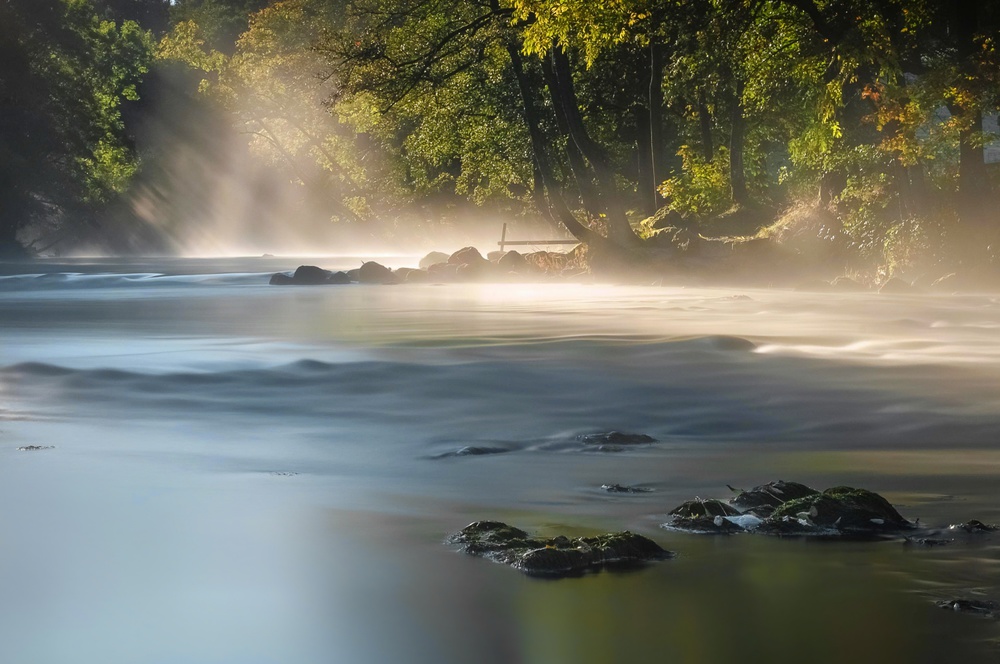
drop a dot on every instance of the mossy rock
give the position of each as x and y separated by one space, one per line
704 516
698 508
842 509
558 556
764 499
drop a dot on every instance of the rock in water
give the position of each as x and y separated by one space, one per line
558 556
467 256
471 450
762 500
619 488
974 526
981 606
375 273
792 509
433 258
309 275
842 509
615 438
701 508
513 261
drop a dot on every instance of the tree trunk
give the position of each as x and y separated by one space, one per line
705 124
582 173
657 144
737 139
532 121
644 156
619 230
972 179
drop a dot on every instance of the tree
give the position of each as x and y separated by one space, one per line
63 149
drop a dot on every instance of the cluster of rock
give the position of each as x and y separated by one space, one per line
776 508
793 509
557 556
465 265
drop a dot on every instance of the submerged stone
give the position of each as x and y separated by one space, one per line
375 273
615 438
980 606
558 556
618 488
471 450
926 541
974 526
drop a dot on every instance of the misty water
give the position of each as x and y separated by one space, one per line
241 473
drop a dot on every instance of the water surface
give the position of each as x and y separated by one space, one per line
244 473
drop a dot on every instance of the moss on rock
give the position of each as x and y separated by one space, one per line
557 556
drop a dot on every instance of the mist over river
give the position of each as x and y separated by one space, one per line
247 474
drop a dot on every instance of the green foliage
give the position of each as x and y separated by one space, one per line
66 74
702 187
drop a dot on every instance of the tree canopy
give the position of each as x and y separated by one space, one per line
617 121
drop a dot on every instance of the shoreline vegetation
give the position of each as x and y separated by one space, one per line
770 142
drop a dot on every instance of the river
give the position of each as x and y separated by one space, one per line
247 474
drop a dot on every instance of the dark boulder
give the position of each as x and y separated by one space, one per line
467 256
700 508
433 258
417 277
402 273
474 271
762 500
375 273
309 275
615 438
705 516
792 509
442 272
513 261
841 509
556 557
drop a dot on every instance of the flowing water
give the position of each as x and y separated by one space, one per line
247 474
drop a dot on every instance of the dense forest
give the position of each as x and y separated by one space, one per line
860 130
